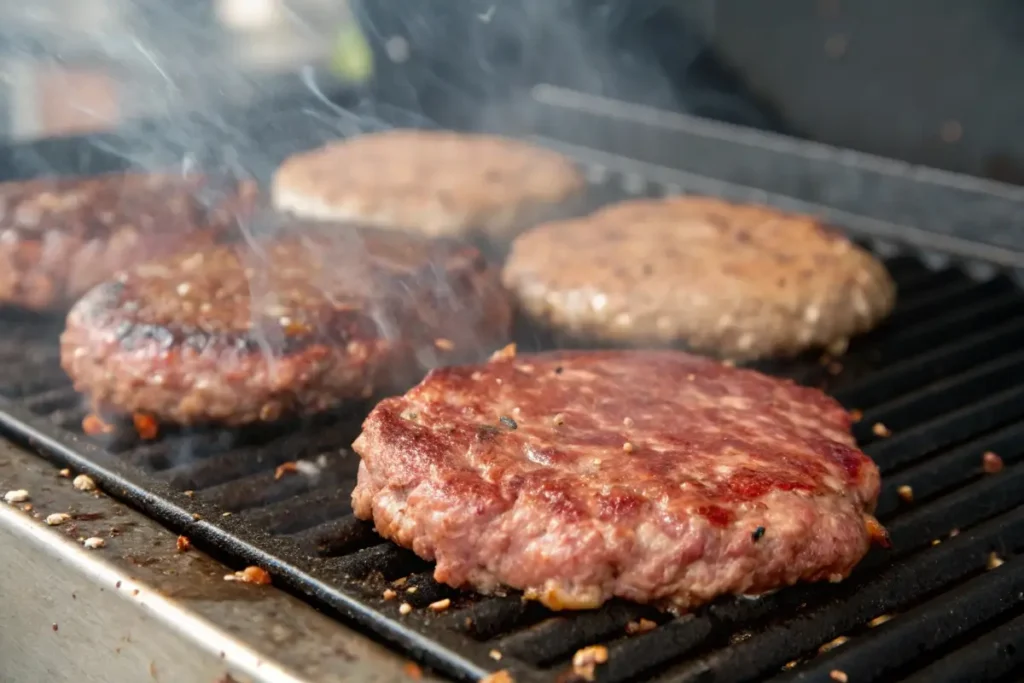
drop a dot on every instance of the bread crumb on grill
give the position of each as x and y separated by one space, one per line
183 544
506 353
93 425
906 493
93 543
65 473
994 561
628 447
255 575
440 605
991 462
833 644
145 426
586 659
495 655
879 620
57 518
840 676
404 608
389 594
881 430
285 468
83 482
413 671
640 626
498 677
190 494
444 344
558 419
16 496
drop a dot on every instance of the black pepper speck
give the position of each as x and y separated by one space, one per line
758 533
508 422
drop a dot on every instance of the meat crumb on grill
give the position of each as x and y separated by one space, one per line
877 532
495 655
16 496
856 415
93 543
93 425
183 544
389 594
413 671
640 626
145 426
833 644
441 605
498 677
404 608
585 661
83 482
881 430
879 620
506 353
991 462
994 561
255 575
285 468
906 493
57 518
840 676
64 473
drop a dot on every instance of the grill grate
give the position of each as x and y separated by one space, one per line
944 376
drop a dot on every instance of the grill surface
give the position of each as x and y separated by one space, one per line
944 376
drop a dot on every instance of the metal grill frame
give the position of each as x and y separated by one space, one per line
732 632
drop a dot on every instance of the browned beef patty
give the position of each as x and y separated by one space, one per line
734 280
299 324
59 237
655 476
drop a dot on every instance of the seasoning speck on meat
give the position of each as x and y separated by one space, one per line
508 422
757 534
565 514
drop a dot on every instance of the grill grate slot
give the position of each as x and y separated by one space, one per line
993 655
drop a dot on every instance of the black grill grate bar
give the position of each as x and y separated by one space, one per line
942 396
992 656
913 281
292 515
922 630
910 445
54 400
338 536
391 561
635 656
958 355
495 616
956 295
950 470
858 602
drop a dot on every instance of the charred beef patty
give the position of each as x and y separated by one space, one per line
60 237
234 334
435 183
655 476
739 281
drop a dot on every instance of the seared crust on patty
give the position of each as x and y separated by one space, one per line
655 476
59 237
303 323
735 280
436 183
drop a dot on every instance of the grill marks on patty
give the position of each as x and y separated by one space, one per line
301 323
560 509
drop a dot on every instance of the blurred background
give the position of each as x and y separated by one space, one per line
934 82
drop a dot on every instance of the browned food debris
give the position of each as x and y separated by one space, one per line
389 594
93 425
404 608
906 493
440 605
444 344
585 661
856 415
879 620
413 671
881 430
57 518
16 496
255 575
93 543
495 655
64 473
994 561
640 626
145 426
284 469
83 482
838 676
833 644
877 532
991 462
183 544
502 676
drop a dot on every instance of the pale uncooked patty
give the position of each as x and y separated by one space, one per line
436 183
739 281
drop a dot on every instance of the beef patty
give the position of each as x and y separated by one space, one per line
299 324
59 237
739 281
436 183
655 476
